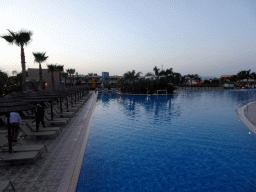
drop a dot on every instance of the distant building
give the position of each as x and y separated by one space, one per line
33 76
96 80
105 77
115 80
194 82
224 77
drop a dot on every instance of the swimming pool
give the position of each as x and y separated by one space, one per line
194 141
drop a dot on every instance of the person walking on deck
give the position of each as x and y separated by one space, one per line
39 116
15 121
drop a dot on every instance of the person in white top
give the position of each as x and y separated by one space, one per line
15 121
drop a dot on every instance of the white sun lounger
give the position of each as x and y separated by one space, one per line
33 127
20 156
27 132
25 148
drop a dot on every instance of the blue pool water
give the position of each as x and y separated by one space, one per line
194 141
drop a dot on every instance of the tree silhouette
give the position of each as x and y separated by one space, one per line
52 68
39 58
65 76
21 39
71 72
60 70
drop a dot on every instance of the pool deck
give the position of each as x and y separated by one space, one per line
247 114
59 167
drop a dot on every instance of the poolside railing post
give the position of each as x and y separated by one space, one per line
67 102
60 105
51 112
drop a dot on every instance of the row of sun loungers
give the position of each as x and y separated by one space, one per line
19 147
28 127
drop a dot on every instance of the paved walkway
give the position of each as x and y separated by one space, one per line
247 114
59 168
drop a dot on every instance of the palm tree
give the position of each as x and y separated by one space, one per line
253 76
60 70
149 74
39 58
129 79
197 78
70 72
162 73
189 78
248 76
21 39
52 68
3 81
65 76
14 72
168 74
242 75
86 79
132 76
156 70
19 79
177 78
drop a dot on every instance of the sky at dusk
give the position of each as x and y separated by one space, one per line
205 37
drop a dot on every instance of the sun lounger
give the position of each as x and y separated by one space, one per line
20 156
19 147
3 131
63 114
55 122
27 132
25 148
69 109
87 96
3 118
33 127
5 184
48 117
27 116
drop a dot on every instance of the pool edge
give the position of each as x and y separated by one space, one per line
77 170
244 119
70 178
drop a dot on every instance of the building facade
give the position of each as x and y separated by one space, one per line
105 77
33 79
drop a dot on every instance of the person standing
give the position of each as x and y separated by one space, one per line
15 121
39 116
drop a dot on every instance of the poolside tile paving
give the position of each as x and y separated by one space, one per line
250 113
47 173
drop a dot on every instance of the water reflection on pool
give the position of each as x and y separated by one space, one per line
193 141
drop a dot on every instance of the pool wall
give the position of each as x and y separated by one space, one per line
70 178
244 119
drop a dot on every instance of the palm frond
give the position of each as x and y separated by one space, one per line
40 57
60 68
52 68
8 38
13 34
